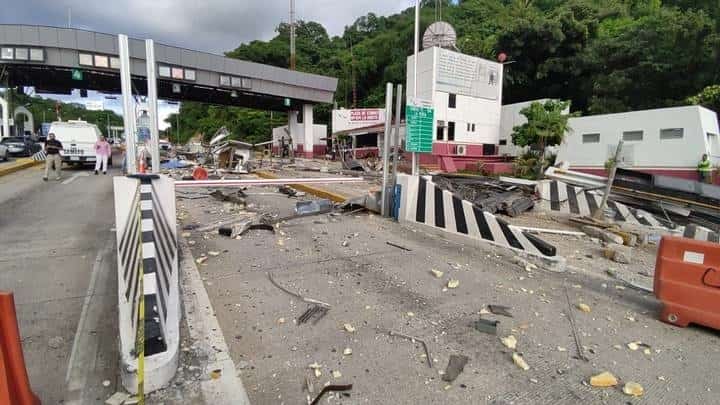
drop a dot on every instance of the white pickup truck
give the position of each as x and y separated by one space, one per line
78 139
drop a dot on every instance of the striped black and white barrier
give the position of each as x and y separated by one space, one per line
422 201
566 198
39 156
147 250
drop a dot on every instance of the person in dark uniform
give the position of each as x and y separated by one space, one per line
52 149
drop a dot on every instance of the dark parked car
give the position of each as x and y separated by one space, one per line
18 145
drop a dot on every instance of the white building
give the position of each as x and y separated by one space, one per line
510 118
298 131
466 93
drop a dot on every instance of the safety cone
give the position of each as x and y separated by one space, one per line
14 382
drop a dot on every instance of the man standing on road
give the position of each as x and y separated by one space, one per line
52 149
705 169
102 153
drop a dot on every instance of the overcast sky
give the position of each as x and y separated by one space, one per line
206 25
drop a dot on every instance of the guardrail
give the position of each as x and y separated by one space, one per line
148 288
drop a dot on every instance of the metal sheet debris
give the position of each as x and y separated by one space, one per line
500 310
486 326
455 366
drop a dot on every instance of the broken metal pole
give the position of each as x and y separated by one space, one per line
611 178
384 205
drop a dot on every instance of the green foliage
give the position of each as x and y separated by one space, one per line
709 97
601 55
546 125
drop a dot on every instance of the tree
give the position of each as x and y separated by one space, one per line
709 97
547 124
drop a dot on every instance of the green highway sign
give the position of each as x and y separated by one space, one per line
77 74
419 128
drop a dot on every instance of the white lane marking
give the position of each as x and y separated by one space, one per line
75 176
76 373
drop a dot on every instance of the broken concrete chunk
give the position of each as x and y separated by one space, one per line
349 328
633 345
453 283
602 234
520 362
185 234
117 398
336 374
316 368
583 307
633 389
347 351
215 374
106 383
56 342
455 366
213 253
618 253
510 342
604 379
437 273
201 260
561 349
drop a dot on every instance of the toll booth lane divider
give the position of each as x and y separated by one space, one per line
423 202
147 248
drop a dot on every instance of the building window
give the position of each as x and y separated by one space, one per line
440 131
225 81
6 53
503 142
236 82
189 74
37 55
452 100
671 133
591 138
85 59
114 63
177 73
468 127
451 131
102 61
21 54
164 71
473 127
633 136
246 83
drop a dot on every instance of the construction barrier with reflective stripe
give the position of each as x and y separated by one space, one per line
422 201
148 270
14 382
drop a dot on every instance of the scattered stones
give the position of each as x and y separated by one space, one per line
336 374
213 253
561 349
347 351
316 369
117 398
633 389
410 314
584 307
281 321
618 253
106 383
345 243
437 273
510 342
348 327
185 234
453 283
604 379
201 259
520 362
215 374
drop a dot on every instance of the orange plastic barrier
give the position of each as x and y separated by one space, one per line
687 281
14 382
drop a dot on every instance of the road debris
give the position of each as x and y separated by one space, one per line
486 326
584 307
436 273
239 229
312 207
298 296
453 283
349 328
106 383
618 253
398 246
56 342
455 366
500 310
633 389
519 361
201 259
331 388
316 311
215 374
336 374
576 335
510 342
213 253
604 379
315 367
347 351
413 339
117 398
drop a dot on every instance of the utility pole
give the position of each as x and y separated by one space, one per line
415 157
292 34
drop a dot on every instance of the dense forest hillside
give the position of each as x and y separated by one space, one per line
602 55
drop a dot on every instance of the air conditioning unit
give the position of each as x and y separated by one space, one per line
460 150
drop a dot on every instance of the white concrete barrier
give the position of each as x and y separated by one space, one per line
147 249
423 202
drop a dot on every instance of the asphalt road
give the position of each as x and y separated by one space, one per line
372 286
57 256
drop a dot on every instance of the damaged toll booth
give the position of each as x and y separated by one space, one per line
364 142
232 154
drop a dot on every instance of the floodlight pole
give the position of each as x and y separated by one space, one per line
129 118
152 102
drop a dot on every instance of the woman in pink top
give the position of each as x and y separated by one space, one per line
102 153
